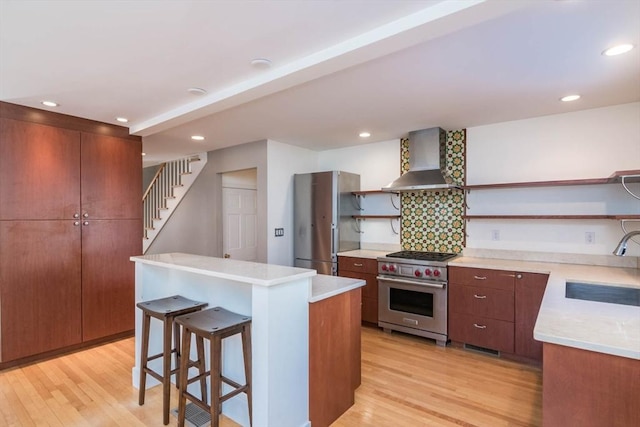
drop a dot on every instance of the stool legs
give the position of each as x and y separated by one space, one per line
166 368
246 351
182 399
166 310
144 354
216 384
215 372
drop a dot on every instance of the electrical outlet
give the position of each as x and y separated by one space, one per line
279 232
590 237
495 235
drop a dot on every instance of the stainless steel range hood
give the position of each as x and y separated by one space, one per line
427 161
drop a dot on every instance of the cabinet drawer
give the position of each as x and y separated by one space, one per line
364 265
482 277
482 332
482 301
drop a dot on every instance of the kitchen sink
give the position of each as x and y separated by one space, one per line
603 293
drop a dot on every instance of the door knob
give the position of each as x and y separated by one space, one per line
85 215
85 223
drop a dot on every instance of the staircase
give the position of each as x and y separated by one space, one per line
168 187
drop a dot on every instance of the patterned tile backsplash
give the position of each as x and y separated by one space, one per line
432 220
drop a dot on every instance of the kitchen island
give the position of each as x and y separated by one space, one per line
276 297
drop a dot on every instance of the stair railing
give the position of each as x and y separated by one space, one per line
161 188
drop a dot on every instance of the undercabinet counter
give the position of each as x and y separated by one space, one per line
595 326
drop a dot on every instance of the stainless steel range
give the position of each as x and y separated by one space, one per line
412 293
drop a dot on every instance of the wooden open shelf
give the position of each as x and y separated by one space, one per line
616 217
616 177
365 192
375 216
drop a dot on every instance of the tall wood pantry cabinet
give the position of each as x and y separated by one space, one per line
70 218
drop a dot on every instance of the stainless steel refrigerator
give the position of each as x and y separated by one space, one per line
323 219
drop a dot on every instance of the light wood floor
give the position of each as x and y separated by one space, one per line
406 381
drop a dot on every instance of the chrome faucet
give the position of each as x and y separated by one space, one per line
622 246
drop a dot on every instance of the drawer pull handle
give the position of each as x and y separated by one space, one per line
480 326
357 265
480 277
410 321
479 296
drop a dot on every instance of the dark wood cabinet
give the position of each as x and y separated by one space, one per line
530 289
40 170
70 218
40 290
365 269
110 166
589 389
481 307
496 309
108 297
334 356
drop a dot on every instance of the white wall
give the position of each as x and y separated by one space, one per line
196 225
579 145
377 164
284 161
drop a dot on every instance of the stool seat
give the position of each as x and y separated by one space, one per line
166 310
175 305
214 324
212 321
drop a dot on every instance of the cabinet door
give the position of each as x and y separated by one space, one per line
530 289
39 171
39 287
482 331
481 301
499 279
111 177
365 269
108 276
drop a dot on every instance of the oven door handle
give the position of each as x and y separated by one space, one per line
412 282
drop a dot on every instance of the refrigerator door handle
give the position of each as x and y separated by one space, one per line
334 231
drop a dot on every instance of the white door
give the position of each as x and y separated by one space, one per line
239 222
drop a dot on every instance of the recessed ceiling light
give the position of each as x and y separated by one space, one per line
49 103
197 138
364 135
196 91
122 119
261 63
617 50
144 154
570 98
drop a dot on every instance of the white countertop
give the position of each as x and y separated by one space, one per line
324 286
225 268
364 253
588 325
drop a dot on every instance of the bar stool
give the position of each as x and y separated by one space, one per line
165 310
214 324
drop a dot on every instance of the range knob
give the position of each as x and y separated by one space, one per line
385 267
427 272
417 273
392 268
436 273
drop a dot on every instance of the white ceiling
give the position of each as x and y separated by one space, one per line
338 67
